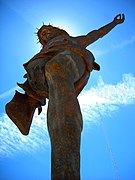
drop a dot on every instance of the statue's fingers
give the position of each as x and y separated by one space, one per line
123 16
119 15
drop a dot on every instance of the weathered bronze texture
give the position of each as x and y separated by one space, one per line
58 72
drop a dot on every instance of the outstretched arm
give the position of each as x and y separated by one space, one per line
96 34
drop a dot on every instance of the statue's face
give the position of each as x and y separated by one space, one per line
47 34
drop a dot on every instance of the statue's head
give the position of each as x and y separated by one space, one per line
47 32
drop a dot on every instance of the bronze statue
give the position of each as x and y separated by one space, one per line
58 72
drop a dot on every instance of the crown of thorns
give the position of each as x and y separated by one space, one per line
58 31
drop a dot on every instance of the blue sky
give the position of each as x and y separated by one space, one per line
107 102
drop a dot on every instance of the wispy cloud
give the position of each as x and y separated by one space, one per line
112 47
124 43
105 98
9 92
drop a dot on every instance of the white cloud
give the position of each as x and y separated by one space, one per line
103 99
106 98
12 141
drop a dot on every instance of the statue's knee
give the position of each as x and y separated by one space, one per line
64 67
58 66
52 67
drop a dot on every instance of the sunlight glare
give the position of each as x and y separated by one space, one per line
68 28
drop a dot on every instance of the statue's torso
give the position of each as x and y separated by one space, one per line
59 45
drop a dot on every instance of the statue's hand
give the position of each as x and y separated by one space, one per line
119 18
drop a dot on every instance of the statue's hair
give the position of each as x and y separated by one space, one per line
58 32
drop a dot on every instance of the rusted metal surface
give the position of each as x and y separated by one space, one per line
58 72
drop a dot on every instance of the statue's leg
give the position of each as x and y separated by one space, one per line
64 118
